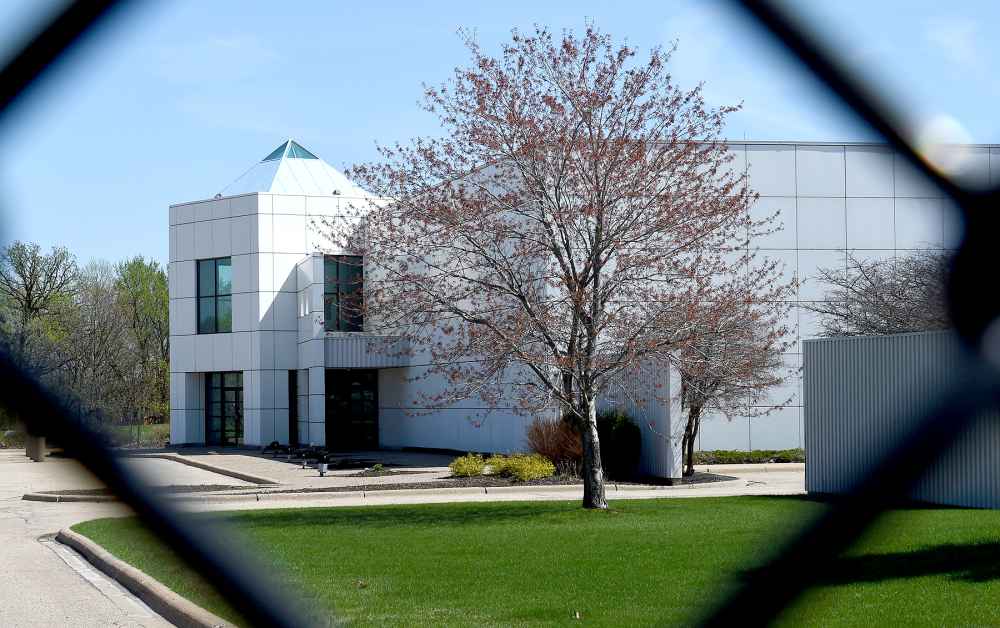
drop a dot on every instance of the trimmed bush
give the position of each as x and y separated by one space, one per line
558 441
757 456
467 466
522 467
497 464
621 444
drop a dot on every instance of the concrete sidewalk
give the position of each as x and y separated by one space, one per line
48 585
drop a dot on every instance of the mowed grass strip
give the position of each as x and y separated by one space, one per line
645 562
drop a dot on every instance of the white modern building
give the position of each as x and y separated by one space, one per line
259 351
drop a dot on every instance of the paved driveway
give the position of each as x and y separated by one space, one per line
38 584
44 584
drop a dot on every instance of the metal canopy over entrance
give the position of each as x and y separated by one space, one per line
351 409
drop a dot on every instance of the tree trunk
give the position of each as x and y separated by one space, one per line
690 434
593 471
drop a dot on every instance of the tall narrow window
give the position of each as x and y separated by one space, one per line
343 293
215 301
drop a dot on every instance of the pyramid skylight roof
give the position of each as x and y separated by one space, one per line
292 169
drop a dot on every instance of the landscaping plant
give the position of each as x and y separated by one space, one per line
467 466
558 441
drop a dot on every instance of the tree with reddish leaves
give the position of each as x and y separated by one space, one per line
575 222
736 356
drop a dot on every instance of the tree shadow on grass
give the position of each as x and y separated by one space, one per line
401 516
975 562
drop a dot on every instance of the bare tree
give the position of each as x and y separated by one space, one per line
33 286
569 228
884 296
95 376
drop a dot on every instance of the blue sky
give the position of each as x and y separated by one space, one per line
175 100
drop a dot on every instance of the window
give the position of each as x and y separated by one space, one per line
343 292
215 301
224 408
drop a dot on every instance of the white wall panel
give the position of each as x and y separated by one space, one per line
811 288
919 223
908 183
265 233
780 210
222 238
243 227
185 241
203 240
778 430
285 350
184 278
264 263
771 169
289 233
284 307
289 204
184 315
870 223
285 271
819 170
243 205
869 171
182 354
822 223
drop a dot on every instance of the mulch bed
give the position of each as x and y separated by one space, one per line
371 473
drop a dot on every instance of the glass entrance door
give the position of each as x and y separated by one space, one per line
351 409
224 408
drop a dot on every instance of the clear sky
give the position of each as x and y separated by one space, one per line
175 100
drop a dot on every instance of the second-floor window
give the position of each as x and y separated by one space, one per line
215 301
343 290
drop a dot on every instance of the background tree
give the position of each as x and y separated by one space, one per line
884 296
34 286
735 360
570 227
142 301
97 335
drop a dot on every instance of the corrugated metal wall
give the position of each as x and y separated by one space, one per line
643 394
365 351
861 394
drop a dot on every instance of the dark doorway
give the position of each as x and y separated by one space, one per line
293 408
224 408
351 409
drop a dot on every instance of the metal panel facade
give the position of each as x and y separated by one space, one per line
364 351
861 394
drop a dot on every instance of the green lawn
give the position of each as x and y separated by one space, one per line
645 562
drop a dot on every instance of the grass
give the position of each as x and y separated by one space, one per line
154 435
645 562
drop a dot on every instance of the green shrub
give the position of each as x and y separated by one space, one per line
757 456
621 444
522 467
468 465
497 464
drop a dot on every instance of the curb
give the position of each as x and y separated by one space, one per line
239 475
49 497
172 607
